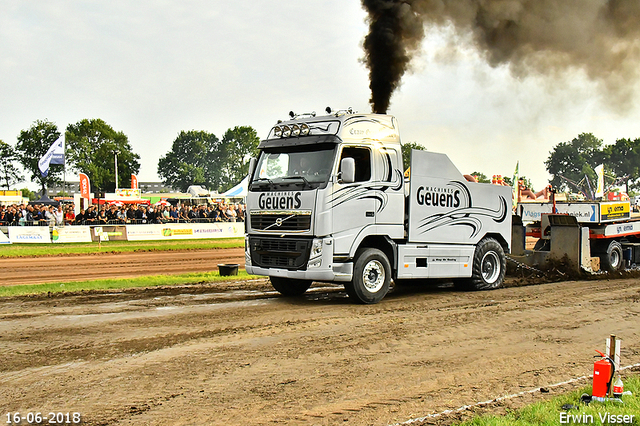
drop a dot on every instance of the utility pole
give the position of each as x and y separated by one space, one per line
115 153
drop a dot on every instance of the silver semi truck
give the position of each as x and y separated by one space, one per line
328 201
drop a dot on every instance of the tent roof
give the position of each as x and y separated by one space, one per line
238 191
44 200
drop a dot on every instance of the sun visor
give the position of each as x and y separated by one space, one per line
307 140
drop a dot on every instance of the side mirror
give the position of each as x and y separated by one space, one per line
348 170
252 167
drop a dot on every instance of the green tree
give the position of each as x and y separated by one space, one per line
406 152
27 193
9 173
572 161
623 160
193 160
481 177
200 158
32 145
238 146
92 146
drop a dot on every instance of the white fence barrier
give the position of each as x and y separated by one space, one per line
82 234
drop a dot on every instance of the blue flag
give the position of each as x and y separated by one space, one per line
55 155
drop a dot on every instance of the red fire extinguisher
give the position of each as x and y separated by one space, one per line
603 371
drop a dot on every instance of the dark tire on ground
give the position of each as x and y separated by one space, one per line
290 286
611 260
489 267
371 277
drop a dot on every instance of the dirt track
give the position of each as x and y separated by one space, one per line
238 354
111 265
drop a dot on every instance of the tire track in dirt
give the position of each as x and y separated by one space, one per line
183 356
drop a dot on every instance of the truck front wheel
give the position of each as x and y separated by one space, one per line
289 286
489 265
371 276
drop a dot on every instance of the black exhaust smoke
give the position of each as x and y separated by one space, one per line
549 37
395 32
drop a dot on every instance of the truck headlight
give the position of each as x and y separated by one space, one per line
316 248
315 257
247 252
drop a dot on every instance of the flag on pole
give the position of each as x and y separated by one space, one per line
600 174
515 186
85 186
134 181
55 155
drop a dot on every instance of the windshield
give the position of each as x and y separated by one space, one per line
305 167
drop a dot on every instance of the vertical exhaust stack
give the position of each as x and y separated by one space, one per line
543 37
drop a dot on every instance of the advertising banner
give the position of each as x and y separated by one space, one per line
85 186
71 234
128 193
108 233
615 210
176 231
29 234
4 239
584 212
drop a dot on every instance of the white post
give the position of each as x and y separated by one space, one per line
115 153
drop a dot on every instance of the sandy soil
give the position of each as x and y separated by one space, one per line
111 265
236 353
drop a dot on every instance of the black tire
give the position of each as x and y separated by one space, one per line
489 265
612 260
290 286
371 277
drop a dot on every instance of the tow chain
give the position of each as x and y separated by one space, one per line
525 266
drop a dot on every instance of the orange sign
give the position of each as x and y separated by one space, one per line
134 182
85 187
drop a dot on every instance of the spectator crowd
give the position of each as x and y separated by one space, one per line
113 214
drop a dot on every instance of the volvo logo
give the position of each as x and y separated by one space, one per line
279 221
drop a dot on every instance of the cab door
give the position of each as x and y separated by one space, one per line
353 205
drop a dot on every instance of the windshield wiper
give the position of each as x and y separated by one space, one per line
260 181
306 182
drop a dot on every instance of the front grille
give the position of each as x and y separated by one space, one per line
279 245
281 221
290 253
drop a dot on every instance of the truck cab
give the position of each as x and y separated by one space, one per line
327 201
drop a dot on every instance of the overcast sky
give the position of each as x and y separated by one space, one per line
154 68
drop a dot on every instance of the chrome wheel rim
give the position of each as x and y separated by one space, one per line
614 259
373 276
490 267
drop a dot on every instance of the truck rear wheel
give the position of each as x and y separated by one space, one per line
489 265
371 276
611 261
290 286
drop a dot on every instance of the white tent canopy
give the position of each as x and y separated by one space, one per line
238 191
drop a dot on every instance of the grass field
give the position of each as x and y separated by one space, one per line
567 409
122 283
26 250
